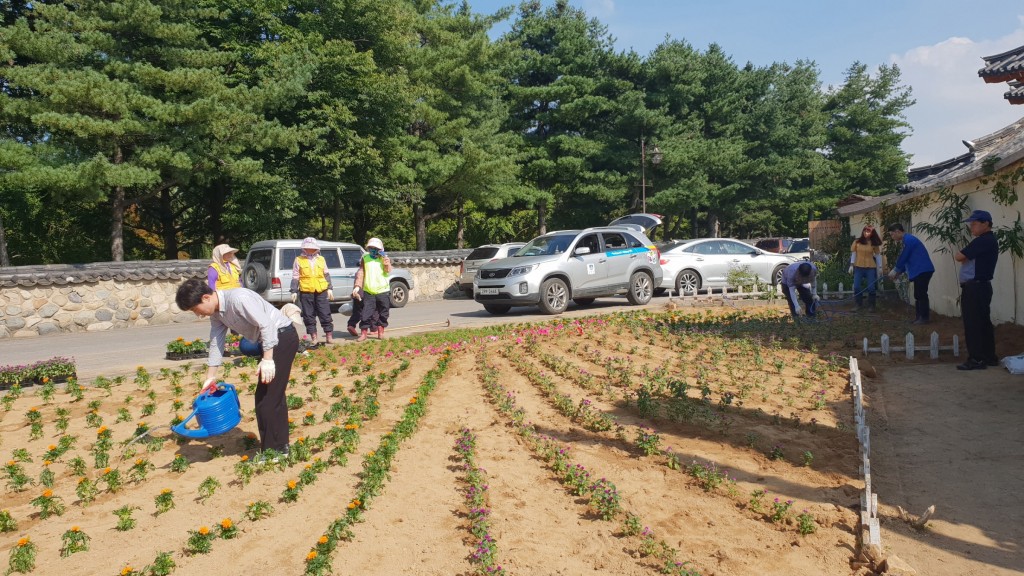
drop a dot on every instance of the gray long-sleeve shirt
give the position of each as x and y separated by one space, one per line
245 312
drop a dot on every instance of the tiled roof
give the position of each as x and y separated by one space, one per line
66 274
1016 93
1003 147
1003 67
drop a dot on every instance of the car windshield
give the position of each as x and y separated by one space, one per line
546 245
799 246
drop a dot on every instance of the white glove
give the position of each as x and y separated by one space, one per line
355 294
266 371
850 269
295 296
330 294
893 274
209 386
878 271
816 297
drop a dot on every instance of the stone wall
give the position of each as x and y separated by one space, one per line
40 300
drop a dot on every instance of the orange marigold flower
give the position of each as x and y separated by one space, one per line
309 413
106 470
46 379
126 570
371 453
165 491
23 541
33 409
225 523
308 466
322 540
251 435
75 529
11 463
311 556
51 447
47 462
412 400
291 484
204 530
101 430
245 457
47 493
180 339
139 461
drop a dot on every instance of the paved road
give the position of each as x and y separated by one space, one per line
116 352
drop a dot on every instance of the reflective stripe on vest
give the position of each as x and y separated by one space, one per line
311 274
227 280
375 281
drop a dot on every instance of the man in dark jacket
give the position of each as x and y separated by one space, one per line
977 267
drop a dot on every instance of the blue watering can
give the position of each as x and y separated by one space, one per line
216 412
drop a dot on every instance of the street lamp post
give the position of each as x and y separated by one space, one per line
655 160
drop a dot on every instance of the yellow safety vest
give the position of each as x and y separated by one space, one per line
311 274
227 279
375 281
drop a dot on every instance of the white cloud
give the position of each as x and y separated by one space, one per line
953 102
599 9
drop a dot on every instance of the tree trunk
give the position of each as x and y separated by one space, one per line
336 225
714 225
4 258
167 227
117 207
421 227
217 201
460 228
693 224
542 217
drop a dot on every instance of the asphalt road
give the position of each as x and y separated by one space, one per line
119 351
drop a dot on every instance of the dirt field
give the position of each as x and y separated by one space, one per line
706 423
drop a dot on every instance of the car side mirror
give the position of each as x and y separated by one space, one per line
581 250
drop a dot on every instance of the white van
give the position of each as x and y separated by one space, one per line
268 270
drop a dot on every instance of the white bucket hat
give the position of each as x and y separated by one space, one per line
375 243
310 242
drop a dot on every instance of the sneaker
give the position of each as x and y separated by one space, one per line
971 364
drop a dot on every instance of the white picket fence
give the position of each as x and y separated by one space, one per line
910 348
775 291
871 530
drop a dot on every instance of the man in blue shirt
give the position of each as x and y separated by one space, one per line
798 285
977 267
915 261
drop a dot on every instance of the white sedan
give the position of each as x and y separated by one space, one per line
694 265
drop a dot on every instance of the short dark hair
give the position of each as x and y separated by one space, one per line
804 268
191 293
896 226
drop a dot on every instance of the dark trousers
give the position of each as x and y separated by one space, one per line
921 305
376 311
804 295
975 303
316 305
271 404
357 310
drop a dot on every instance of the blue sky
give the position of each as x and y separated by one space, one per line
938 45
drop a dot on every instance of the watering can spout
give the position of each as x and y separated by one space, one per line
215 412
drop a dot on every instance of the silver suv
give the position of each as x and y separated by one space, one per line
577 265
480 256
268 270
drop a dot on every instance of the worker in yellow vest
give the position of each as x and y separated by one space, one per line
373 287
224 272
311 286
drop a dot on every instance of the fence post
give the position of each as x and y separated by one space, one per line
956 345
935 345
885 345
865 347
910 345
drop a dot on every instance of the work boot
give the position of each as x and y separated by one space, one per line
352 330
362 336
329 338
380 332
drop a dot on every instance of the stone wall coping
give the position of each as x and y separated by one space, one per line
65 274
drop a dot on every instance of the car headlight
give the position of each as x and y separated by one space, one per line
520 270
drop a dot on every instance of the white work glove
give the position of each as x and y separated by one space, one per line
266 371
355 294
295 297
878 271
850 269
209 386
816 297
892 274
330 294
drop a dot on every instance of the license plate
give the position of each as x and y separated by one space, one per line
488 291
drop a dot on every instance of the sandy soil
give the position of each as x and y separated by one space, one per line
419 524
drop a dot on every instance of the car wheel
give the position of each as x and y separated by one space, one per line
497 309
688 282
399 294
641 288
255 277
584 301
554 296
777 276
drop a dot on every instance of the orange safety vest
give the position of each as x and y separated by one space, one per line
227 279
311 274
